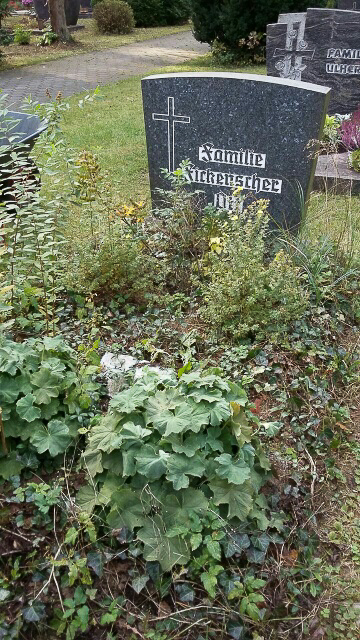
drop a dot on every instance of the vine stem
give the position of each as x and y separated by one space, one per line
2 434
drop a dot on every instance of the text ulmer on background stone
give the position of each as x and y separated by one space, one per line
235 130
319 46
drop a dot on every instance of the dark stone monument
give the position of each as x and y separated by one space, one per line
237 130
349 5
72 10
322 47
18 131
287 52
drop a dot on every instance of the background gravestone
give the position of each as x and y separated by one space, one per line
236 130
286 49
322 48
335 37
349 5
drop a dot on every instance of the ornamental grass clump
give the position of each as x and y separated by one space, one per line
247 292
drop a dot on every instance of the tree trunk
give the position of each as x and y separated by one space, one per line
58 19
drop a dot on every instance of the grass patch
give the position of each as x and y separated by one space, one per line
118 139
84 41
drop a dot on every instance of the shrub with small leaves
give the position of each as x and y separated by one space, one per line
354 160
246 291
22 36
45 397
114 16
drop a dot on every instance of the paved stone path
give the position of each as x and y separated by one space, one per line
87 71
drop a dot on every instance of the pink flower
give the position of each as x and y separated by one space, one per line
350 131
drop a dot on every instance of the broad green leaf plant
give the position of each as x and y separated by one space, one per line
177 462
45 397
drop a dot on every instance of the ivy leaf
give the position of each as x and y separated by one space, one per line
235 472
129 510
151 462
236 630
26 410
10 466
261 542
239 499
53 438
179 467
185 592
235 543
157 547
255 555
48 384
184 506
9 389
96 560
139 583
4 594
35 612
130 399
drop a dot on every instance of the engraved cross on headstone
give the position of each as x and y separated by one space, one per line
171 118
296 50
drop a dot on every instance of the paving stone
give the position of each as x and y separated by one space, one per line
87 71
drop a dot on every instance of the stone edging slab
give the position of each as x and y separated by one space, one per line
334 174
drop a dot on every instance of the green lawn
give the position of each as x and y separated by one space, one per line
84 41
113 128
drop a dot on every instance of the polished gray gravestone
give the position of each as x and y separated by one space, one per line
236 130
349 5
322 47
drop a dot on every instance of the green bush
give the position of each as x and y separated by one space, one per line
104 248
44 399
178 462
228 21
113 16
22 36
354 160
151 13
246 291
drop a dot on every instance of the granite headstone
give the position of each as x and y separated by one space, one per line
236 130
321 47
349 5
